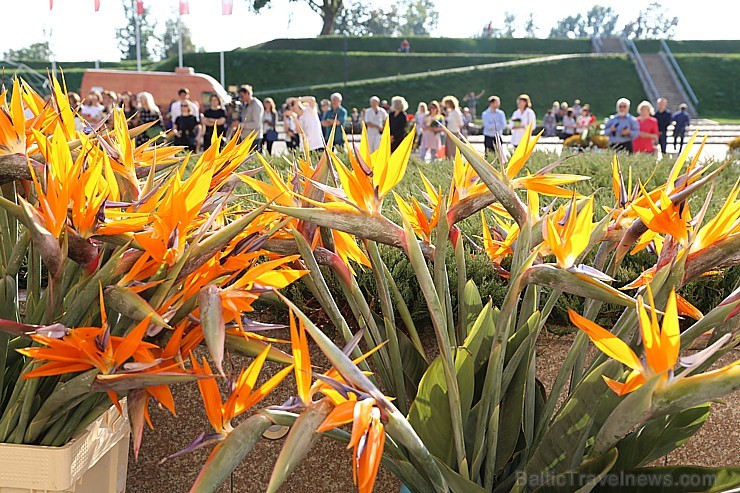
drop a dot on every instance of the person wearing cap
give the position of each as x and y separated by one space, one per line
681 121
374 118
622 128
251 115
494 123
335 117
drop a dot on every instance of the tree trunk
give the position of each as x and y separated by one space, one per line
329 11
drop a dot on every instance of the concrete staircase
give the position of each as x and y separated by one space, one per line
611 45
665 81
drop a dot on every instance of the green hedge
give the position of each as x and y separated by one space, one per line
599 81
690 46
427 44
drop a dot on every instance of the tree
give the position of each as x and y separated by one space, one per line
652 22
509 25
126 35
419 18
170 37
601 21
35 51
569 27
327 9
530 29
405 18
598 21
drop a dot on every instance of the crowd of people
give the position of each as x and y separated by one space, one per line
308 123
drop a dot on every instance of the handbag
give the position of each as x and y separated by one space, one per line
271 135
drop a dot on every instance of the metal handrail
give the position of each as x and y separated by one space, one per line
596 44
679 72
642 68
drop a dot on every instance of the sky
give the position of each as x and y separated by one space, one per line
77 32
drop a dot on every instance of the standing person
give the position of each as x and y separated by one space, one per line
307 119
421 114
269 124
323 108
454 123
186 128
622 128
397 121
577 107
92 110
569 124
354 118
681 122
430 130
550 123
374 119
292 139
128 103
422 111
665 118
494 123
521 118
467 121
251 116
335 116
213 119
183 97
148 112
648 134
471 101
585 120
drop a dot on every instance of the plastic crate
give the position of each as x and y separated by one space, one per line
93 462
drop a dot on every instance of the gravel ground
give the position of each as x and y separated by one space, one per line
327 469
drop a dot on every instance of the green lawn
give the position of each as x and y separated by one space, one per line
545 82
716 81
267 70
691 46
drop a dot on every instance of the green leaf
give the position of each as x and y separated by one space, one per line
564 439
72 389
229 453
672 479
298 443
660 436
119 382
581 479
430 413
579 284
457 483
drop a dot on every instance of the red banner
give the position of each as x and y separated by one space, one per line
184 7
51 4
97 5
227 6
140 7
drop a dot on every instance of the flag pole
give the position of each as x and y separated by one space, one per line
138 41
223 72
179 41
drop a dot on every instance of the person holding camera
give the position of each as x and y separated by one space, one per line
622 128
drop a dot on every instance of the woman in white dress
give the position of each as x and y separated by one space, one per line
307 110
522 117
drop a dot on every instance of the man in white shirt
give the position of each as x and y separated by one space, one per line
183 97
309 123
374 119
